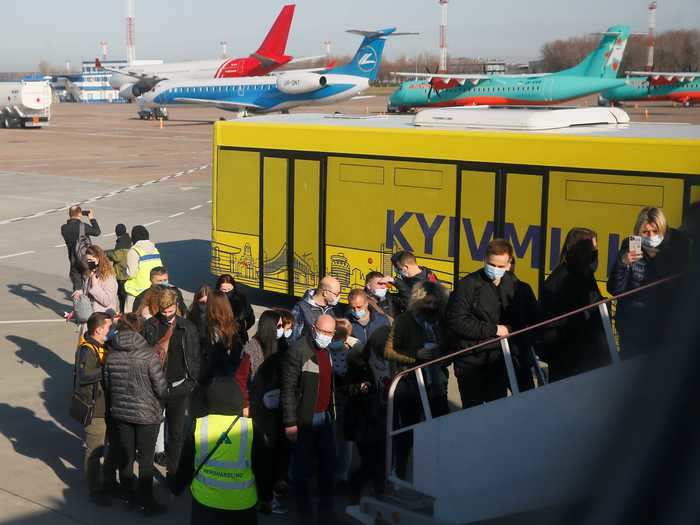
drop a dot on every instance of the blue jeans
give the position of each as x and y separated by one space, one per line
314 444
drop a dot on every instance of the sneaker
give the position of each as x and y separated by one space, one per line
278 507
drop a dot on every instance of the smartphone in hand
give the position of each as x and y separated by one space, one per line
635 244
87 212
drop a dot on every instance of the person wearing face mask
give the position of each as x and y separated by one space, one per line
478 311
284 342
100 282
176 341
665 252
575 344
261 346
343 342
363 318
315 303
160 280
418 336
380 298
410 274
308 410
197 313
242 310
89 364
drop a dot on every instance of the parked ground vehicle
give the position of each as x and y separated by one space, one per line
25 104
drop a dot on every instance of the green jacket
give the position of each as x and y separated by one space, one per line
118 258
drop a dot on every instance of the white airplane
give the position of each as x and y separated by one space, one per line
133 80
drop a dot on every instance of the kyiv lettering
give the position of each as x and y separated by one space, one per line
477 241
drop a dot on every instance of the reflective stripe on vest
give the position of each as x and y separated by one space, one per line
142 280
226 481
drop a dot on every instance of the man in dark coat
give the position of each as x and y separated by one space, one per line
410 274
476 312
176 340
71 234
308 414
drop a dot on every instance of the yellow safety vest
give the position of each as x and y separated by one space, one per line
142 280
226 481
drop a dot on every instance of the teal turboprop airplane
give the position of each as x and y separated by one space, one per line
597 72
641 86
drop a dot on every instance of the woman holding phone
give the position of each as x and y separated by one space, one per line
654 252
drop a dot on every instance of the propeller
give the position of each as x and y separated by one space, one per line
432 86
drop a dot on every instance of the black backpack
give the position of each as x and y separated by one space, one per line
81 246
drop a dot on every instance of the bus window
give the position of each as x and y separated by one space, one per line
476 226
235 242
307 256
274 234
608 204
401 205
694 194
523 224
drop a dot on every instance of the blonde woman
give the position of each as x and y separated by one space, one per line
663 252
100 282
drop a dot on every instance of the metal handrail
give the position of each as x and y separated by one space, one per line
505 348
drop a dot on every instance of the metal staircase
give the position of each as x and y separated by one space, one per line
529 454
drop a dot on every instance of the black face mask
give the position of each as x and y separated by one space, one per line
92 265
594 261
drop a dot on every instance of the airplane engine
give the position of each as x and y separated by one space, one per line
298 83
130 91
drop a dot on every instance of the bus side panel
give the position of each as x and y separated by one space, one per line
306 244
236 212
609 205
523 225
378 207
274 234
476 225
694 194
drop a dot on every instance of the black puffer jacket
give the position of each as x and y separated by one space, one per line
134 380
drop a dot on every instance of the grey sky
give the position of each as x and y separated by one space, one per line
33 30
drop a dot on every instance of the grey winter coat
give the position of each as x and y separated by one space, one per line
134 380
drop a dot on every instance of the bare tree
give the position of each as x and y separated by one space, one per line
563 54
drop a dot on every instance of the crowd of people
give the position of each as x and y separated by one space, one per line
238 419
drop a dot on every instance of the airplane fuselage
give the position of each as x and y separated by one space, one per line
536 90
258 94
640 89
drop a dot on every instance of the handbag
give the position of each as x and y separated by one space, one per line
211 452
82 305
81 410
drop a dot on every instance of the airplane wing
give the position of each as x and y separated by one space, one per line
217 103
657 78
146 81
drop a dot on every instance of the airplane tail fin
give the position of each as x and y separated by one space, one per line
605 61
368 59
275 42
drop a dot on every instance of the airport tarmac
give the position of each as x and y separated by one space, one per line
129 171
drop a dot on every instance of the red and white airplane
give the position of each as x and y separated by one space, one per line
133 81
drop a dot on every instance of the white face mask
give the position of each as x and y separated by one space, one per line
494 273
280 332
288 333
653 241
322 340
333 301
379 293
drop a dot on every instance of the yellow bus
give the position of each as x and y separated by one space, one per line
300 196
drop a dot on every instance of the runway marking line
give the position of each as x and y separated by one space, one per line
93 199
195 207
152 223
16 254
176 214
28 321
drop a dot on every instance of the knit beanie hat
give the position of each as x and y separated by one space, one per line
120 230
223 396
139 233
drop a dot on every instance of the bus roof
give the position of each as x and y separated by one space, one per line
639 130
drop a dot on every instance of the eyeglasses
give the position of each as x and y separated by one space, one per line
335 294
324 332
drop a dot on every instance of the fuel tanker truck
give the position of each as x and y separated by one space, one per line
25 104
